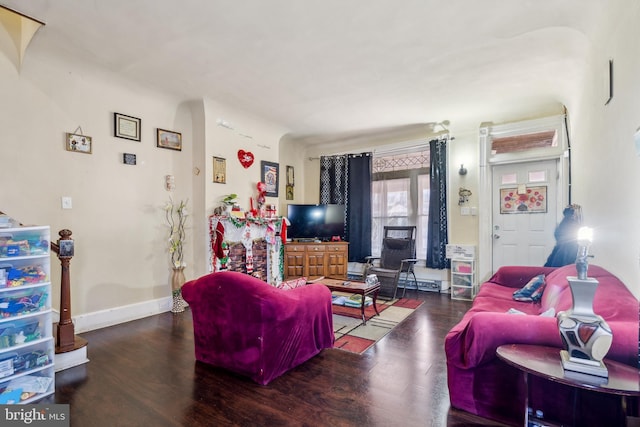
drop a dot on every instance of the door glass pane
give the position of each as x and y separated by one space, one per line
538 176
509 178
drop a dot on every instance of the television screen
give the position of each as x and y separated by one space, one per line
320 222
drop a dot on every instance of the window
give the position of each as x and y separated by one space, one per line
512 144
400 196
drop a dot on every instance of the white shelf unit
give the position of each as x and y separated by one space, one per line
27 346
463 279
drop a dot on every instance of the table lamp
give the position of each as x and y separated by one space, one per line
586 337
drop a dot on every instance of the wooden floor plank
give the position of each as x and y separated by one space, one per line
143 373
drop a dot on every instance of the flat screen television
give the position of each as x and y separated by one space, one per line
315 222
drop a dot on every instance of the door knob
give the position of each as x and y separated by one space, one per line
496 236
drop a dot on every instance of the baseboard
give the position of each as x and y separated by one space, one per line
104 318
70 359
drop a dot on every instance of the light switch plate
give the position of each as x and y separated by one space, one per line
67 203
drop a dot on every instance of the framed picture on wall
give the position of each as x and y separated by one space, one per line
126 127
169 139
219 170
270 176
290 176
523 201
78 143
129 159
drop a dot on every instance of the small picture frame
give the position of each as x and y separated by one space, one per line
219 170
65 248
290 176
169 139
79 143
129 159
270 176
126 127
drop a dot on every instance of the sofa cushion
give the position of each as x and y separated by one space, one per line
499 299
518 276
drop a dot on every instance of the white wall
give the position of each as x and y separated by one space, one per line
117 217
250 134
606 166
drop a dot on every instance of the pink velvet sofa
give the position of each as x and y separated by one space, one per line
482 384
247 326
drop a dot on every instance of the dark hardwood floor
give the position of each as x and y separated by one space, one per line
143 373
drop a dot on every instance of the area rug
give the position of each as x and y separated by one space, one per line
351 335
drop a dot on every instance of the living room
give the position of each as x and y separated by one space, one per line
120 271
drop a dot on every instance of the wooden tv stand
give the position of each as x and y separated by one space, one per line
312 259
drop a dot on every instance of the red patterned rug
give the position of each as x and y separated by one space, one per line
351 335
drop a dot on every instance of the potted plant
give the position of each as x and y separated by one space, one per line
229 201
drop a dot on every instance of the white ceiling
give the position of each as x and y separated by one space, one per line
328 67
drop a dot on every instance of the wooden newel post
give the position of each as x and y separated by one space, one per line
65 334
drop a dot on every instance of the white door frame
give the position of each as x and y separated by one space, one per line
489 131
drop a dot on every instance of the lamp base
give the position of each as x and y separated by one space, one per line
589 367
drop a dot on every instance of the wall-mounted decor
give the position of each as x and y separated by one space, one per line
290 177
246 158
79 143
128 159
290 182
126 127
608 82
219 170
65 248
169 139
531 200
269 175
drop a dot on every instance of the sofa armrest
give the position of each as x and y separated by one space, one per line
476 343
518 276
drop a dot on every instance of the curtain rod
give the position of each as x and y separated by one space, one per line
344 154
394 149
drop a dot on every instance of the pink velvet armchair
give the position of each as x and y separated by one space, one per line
247 326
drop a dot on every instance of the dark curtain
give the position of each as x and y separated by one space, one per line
346 180
437 238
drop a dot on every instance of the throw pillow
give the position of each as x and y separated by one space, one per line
292 284
532 291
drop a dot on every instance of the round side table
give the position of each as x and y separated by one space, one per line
545 362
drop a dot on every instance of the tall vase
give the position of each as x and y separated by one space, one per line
177 280
585 335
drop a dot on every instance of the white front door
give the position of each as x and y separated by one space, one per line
524 210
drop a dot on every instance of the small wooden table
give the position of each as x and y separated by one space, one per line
353 287
545 362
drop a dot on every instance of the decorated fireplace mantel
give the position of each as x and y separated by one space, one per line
249 245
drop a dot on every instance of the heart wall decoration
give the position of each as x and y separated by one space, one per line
246 158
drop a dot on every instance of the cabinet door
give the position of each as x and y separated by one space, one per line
337 261
316 264
294 261
293 264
